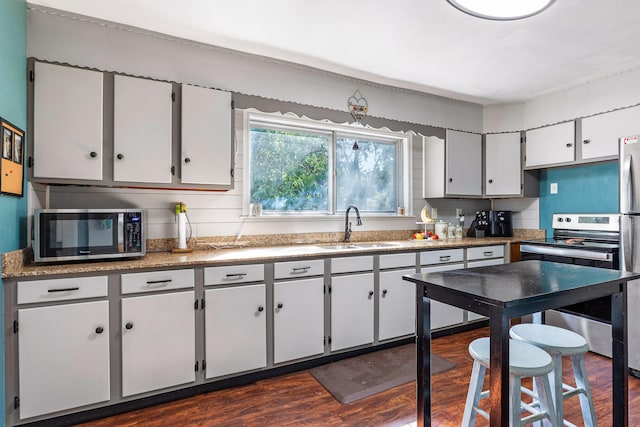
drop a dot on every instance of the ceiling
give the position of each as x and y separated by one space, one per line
424 45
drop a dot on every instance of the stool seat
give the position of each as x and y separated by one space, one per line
550 338
525 360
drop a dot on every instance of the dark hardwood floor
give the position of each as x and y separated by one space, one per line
298 400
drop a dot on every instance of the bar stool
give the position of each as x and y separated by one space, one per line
559 342
525 360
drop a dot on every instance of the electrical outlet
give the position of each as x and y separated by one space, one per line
553 188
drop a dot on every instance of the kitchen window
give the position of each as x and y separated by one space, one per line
306 167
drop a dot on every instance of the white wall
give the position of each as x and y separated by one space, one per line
610 93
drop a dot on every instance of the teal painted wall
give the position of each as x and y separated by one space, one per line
588 189
13 107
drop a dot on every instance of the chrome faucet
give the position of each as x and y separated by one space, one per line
347 224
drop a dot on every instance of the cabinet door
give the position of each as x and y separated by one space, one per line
600 133
298 321
67 123
235 329
141 130
396 304
158 342
503 167
352 306
433 173
550 145
463 163
444 315
206 136
63 356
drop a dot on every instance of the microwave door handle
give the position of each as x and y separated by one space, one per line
626 194
121 232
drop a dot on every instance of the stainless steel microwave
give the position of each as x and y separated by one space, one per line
87 234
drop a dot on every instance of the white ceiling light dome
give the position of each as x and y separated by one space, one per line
501 10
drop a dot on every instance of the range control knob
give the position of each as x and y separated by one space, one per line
568 219
560 219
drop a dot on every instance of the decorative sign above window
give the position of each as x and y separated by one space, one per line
358 106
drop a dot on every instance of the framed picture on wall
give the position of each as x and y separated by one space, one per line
12 159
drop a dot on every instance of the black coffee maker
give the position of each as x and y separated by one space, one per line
500 223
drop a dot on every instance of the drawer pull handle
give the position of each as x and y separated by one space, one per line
488 253
63 290
445 258
235 276
99 330
84 252
129 325
298 270
158 282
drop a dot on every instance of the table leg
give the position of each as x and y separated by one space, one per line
499 369
423 359
620 374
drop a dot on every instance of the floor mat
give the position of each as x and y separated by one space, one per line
352 379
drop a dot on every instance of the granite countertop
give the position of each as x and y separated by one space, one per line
13 266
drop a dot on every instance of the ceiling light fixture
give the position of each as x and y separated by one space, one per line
501 10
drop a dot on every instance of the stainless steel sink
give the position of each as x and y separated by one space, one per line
338 246
377 245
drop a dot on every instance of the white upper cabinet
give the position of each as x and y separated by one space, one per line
452 167
600 133
67 122
206 136
503 168
142 130
550 145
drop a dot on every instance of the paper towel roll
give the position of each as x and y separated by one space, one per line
182 230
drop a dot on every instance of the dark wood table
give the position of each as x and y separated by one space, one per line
504 292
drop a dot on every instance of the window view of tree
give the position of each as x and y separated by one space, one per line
289 170
365 177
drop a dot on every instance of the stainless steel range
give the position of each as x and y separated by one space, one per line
585 239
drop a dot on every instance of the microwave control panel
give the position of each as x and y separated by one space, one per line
133 232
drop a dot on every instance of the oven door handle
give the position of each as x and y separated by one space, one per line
568 253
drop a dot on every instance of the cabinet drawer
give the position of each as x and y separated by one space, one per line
283 270
233 274
398 260
439 257
61 289
156 281
485 252
347 265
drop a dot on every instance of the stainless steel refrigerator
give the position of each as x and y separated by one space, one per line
630 237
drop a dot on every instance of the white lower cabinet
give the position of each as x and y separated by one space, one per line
444 315
63 356
158 341
396 304
352 305
235 329
298 320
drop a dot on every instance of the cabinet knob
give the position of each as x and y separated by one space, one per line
280 305
490 181
129 325
93 154
450 179
370 294
120 156
187 160
586 141
569 145
384 292
261 309
99 330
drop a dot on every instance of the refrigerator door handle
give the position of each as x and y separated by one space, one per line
626 256
626 202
